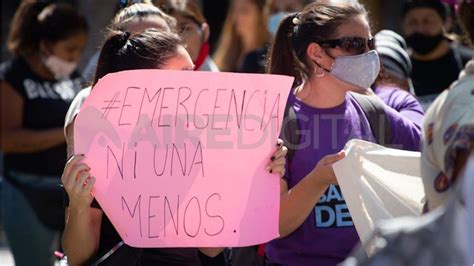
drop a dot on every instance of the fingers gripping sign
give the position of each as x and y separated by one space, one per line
278 159
78 182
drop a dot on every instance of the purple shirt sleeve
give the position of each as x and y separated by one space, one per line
406 134
402 102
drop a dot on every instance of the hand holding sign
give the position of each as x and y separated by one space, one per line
180 156
78 182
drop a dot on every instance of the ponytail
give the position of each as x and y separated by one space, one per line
149 49
283 59
24 34
109 54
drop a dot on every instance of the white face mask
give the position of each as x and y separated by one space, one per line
360 70
60 68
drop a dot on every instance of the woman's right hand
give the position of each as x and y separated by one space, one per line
323 170
78 182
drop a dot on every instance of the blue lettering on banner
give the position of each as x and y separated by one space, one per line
331 210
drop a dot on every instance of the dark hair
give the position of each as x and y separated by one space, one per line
36 20
188 8
316 22
146 50
466 18
441 8
137 11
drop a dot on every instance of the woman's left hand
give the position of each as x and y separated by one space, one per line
278 160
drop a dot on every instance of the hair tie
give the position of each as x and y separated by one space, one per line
121 40
296 21
124 38
125 35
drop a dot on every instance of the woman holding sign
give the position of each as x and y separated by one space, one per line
89 235
329 50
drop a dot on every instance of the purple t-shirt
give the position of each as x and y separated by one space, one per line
403 102
328 234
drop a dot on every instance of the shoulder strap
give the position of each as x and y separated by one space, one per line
457 57
290 132
375 112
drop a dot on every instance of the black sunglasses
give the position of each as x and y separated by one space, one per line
352 45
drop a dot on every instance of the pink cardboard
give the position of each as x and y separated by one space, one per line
180 156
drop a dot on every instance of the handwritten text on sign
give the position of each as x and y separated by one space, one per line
180 156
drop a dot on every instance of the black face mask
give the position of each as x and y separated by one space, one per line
424 44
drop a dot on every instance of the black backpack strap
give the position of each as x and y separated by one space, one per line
290 132
375 112
373 109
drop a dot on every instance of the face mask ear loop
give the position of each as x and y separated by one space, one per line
323 70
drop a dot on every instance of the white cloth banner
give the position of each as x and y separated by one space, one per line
379 183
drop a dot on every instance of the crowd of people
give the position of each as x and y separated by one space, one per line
341 68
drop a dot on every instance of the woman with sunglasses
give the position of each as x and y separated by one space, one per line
328 48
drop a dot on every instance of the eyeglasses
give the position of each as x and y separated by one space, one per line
352 45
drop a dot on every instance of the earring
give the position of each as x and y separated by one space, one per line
321 73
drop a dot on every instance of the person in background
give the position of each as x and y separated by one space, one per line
215 13
37 86
436 62
245 30
275 11
279 9
396 63
393 83
193 28
133 17
456 31
286 5
328 48
465 11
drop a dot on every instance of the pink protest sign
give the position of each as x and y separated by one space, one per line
180 156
